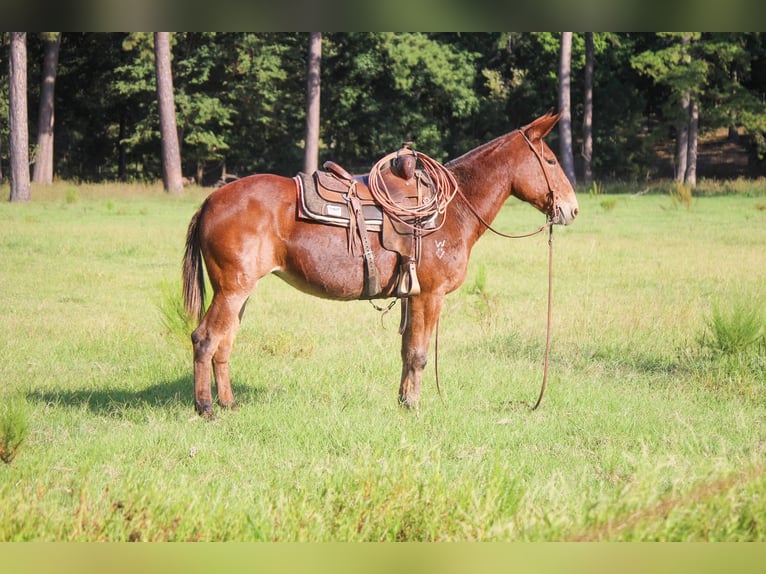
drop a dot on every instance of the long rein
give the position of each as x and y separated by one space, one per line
548 225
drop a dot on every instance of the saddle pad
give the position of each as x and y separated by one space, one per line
315 207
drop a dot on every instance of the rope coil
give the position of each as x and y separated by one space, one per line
441 181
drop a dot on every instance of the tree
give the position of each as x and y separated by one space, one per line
682 139
680 67
311 157
240 99
265 87
203 76
565 107
171 153
17 94
587 114
683 132
690 176
386 88
43 172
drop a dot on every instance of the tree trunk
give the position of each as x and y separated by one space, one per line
311 152
171 152
43 172
122 167
565 123
691 159
19 125
682 139
587 116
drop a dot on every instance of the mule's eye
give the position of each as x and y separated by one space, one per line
551 161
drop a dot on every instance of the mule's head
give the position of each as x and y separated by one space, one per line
539 178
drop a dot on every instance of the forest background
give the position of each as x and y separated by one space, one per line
241 99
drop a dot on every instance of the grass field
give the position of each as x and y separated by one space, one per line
652 427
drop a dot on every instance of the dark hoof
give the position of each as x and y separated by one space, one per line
232 406
205 410
410 405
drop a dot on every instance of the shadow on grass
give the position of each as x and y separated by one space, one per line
174 394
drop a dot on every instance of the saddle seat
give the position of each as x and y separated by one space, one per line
333 196
406 187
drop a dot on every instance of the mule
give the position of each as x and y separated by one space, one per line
249 228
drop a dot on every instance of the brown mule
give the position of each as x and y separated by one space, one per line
249 228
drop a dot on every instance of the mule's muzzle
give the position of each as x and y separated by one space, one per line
565 213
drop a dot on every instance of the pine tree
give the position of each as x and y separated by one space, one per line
311 157
171 151
19 127
565 106
43 171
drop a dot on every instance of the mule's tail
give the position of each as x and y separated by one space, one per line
193 271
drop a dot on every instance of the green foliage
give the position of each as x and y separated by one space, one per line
608 203
14 426
731 360
173 316
736 329
715 68
420 64
240 97
388 88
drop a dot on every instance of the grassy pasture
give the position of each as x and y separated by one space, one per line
648 430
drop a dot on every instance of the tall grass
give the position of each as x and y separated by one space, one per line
14 427
644 432
736 329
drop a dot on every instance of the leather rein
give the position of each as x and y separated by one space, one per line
549 225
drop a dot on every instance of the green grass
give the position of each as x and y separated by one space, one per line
644 432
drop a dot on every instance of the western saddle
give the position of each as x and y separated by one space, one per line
400 199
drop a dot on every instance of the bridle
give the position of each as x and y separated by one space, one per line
550 216
541 160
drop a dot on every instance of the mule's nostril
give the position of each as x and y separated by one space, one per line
575 211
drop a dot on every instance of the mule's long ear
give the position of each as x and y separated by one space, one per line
542 126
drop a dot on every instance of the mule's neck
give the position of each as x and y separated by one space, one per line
485 178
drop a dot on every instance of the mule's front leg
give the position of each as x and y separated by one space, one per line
422 315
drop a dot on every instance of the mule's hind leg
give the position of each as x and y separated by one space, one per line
422 316
202 343
212 342
221 362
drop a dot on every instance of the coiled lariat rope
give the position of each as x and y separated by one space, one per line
429 206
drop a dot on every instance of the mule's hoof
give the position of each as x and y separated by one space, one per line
231 405
205 410
409 404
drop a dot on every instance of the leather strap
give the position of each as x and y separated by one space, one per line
372 279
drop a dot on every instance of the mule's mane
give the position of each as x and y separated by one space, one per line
492 145
484 149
